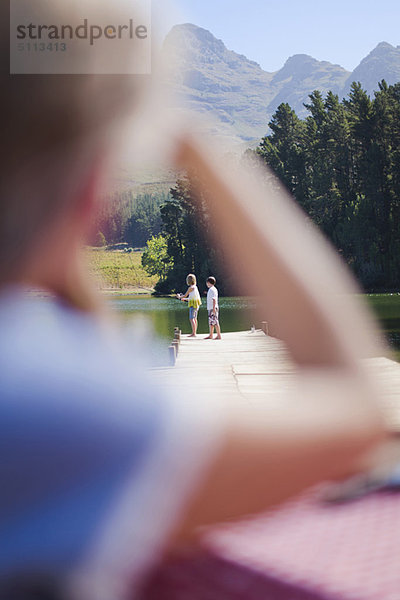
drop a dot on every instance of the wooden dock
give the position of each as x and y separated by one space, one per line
255 367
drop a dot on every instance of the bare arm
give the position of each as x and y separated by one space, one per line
185 296
267 457
303 291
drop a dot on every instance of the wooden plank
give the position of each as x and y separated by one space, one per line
387 373
253 367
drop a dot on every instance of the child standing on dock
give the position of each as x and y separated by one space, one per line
192 296
213 309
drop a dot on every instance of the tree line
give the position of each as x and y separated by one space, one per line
130 218
188 241
341 163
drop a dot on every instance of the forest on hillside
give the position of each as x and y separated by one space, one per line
128 218
342 165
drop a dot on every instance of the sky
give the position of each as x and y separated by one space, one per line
270 31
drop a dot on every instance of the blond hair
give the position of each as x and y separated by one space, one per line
191 279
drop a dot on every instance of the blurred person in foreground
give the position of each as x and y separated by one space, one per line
100 470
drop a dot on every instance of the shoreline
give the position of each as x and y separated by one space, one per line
128 291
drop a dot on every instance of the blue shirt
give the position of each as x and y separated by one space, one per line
89 451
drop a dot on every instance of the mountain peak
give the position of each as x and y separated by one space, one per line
196 41
381 50
384 46
298 59
302 66
241 97
189 29
189 36
383 62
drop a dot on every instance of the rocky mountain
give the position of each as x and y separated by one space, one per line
212 80
382 63
240 97
302 74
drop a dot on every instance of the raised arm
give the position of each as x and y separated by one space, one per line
303 288
306 294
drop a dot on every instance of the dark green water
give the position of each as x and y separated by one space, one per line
238 314
387 309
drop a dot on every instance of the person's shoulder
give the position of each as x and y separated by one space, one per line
54 351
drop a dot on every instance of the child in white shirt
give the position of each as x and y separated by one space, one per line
213 309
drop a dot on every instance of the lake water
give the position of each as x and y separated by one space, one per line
167 313
238 314
387 309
